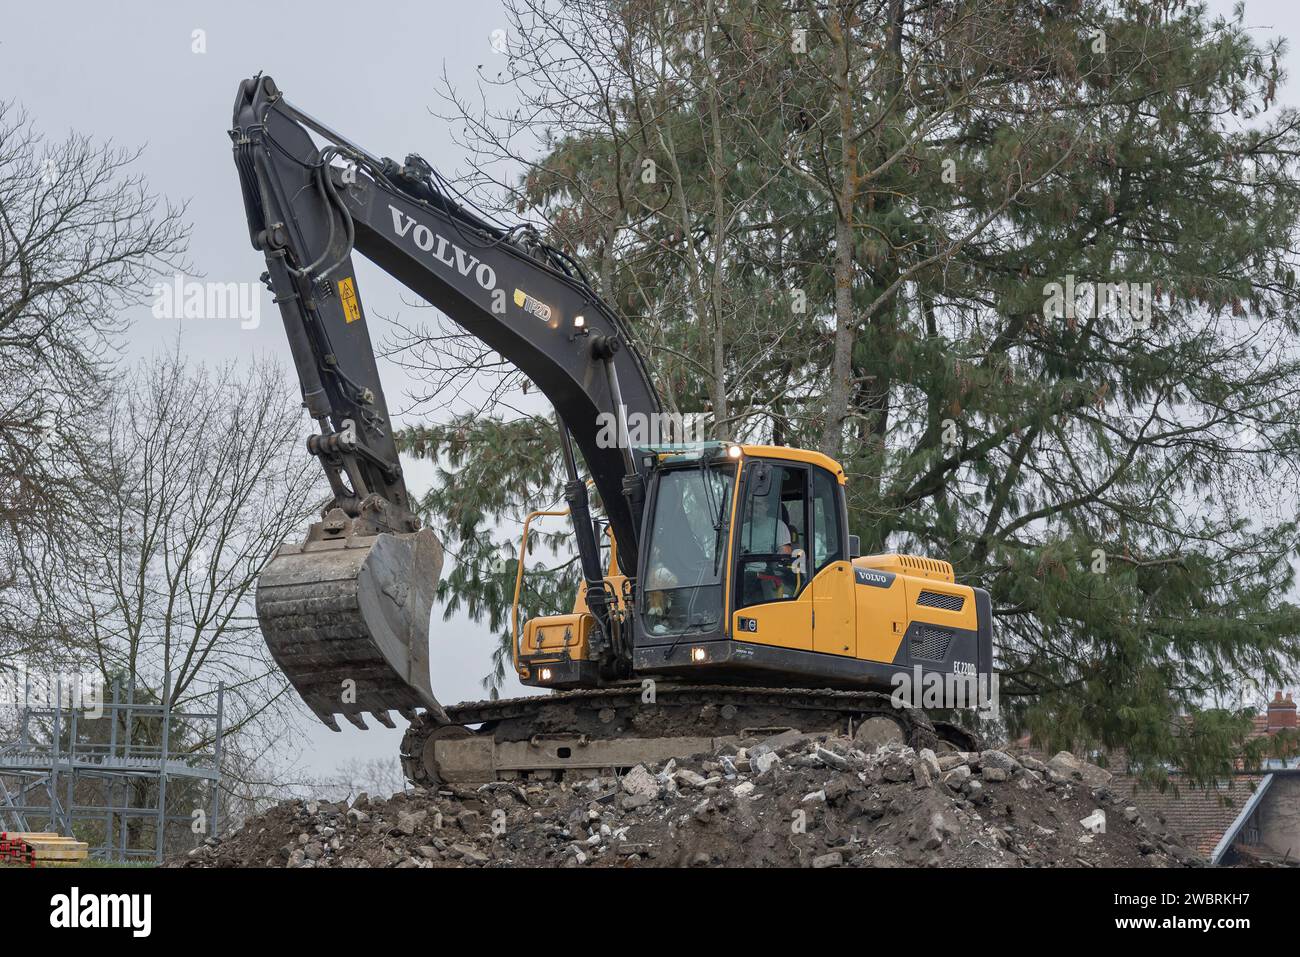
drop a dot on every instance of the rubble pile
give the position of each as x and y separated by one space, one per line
791 800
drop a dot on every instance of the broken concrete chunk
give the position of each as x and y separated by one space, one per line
688 778
640 781
760 762
922 775
1071 767
1095 822
957 776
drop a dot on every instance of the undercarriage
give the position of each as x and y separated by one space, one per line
608 730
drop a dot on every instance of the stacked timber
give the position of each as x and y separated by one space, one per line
41 849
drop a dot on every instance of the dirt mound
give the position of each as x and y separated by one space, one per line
791 800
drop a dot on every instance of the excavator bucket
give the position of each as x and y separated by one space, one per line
346 617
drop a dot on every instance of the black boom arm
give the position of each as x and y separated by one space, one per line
309 208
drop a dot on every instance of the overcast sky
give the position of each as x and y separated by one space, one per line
129 72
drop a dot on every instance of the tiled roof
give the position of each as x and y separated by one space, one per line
1199 815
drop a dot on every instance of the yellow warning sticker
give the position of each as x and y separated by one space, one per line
348 296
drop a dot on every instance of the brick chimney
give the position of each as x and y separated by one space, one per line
1281 713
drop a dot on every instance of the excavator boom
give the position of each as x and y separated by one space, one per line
346 613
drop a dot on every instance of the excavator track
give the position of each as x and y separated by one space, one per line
588 732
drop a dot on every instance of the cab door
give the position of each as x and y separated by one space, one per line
773 593
833 597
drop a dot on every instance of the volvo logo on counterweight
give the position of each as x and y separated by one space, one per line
443 250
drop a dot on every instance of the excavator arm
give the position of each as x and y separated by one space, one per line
346 613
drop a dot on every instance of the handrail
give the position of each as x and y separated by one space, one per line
519 580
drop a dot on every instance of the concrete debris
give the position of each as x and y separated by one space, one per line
1095 822
640 781
790 800
1071 768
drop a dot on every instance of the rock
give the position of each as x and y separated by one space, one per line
831 759
782 741
762 761
743 790
358 817
427 851
469 854
631 802
1072 768
1095 822
949 761
930 760
314 851
922 776
1000 760
958 776
408 822
1033 764
898 767
833 859
994 775
468 821
1026 780
640 781
689 778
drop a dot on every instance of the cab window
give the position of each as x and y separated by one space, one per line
773 534
827 532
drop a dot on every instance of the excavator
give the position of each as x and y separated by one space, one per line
721 595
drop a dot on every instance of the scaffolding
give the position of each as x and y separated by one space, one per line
77 775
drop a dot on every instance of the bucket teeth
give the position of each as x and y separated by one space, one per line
356 719
383 718
329 721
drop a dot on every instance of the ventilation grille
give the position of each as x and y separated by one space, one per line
931 644
925 564
939 600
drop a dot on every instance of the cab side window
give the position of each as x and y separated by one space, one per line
827 532
773 535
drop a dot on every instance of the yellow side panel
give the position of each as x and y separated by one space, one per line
786 624
835 618
967 618
882 620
